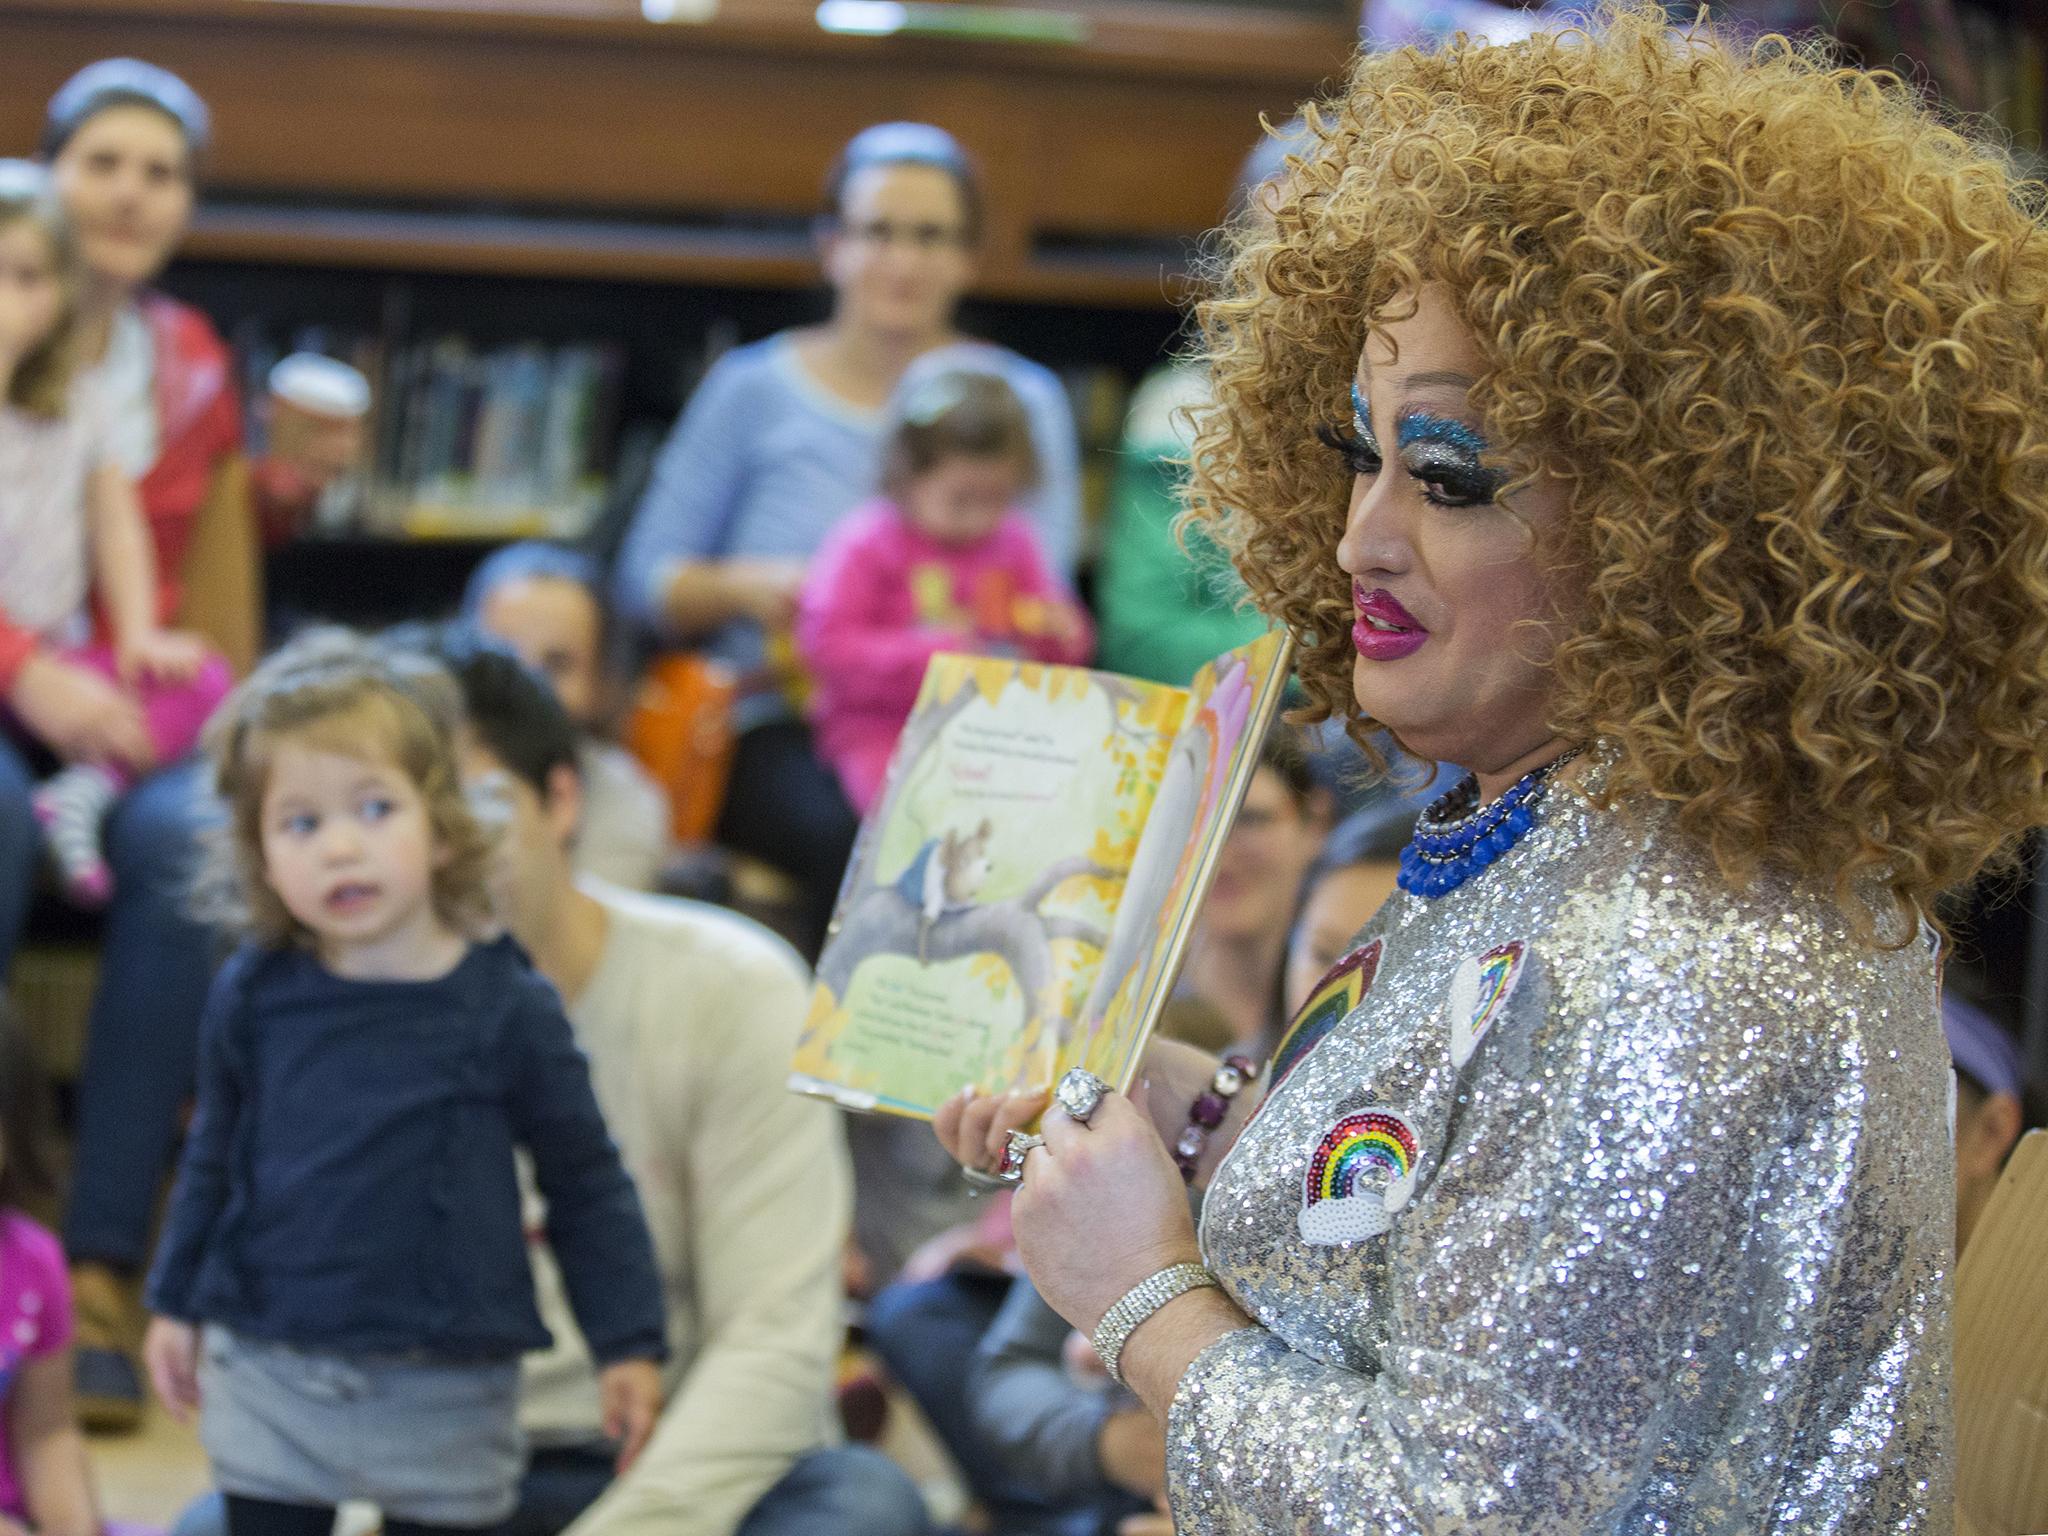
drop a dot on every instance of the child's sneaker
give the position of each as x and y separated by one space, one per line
72 806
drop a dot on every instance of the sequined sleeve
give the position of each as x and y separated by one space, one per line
1638 1235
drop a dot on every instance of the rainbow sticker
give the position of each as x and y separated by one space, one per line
1361 1174
1341 990
1479 995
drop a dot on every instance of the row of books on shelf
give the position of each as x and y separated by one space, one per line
511 439
517 440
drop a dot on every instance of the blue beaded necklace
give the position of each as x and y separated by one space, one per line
1454 841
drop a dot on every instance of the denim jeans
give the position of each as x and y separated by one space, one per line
21 845
784 807
848 1490
142 1042
926 1333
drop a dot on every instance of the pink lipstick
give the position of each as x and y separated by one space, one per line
1385 631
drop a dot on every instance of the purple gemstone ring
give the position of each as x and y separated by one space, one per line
1010 1170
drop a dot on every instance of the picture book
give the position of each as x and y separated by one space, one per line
1020 898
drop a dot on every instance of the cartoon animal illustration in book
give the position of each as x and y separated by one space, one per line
946 875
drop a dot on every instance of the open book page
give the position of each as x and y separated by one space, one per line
1214 754
973 917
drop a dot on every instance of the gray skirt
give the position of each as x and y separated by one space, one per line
423 1440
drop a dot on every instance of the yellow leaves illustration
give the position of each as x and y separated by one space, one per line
1159 710
1113 855
991 677
992 972
949 673
824 1025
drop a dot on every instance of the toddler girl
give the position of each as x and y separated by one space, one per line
943 561
346 1223
45 1484
73 546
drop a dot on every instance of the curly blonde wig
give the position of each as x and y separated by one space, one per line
1783 336
334 691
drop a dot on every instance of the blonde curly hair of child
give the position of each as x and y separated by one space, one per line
41 384
1782 332
335 691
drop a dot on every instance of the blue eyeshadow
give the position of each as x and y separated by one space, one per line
1422 427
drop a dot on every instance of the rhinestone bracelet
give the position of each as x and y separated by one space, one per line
1139 1303
1208 1110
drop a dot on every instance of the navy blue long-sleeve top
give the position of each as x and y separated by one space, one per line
348 1183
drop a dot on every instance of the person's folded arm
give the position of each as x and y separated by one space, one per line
669 580
1044 1424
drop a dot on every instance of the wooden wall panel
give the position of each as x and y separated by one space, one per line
1137 135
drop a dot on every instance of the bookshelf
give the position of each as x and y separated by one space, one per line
661 336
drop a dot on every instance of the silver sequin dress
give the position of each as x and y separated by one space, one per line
1591 1197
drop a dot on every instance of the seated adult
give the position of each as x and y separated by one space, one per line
783 439
547 603
689 1015
123 140
1237 956
1687 487
1350 880
1040 1398
1991 1097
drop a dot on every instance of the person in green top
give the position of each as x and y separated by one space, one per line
1165 609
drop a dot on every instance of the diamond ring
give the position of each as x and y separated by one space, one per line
1080 1094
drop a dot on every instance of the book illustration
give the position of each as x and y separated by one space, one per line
944 877
1155 914
980 892
1018 901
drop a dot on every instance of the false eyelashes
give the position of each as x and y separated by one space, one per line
1444 455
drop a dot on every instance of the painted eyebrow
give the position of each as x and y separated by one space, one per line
1420 380
1426 378
1426 427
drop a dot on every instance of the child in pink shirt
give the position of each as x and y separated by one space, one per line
942 561
45 1482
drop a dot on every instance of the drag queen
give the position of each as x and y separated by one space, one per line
1657 430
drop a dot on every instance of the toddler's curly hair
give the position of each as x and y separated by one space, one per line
333 690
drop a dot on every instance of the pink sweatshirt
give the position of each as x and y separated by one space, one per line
881 599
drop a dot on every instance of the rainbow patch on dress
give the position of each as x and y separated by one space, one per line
1479 996
1360 1175
1341 990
